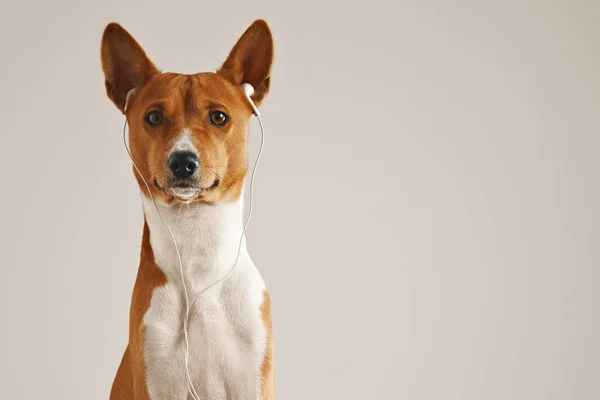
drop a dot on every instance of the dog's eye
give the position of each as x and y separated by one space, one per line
218 118
154 118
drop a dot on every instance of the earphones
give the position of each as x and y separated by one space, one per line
248 92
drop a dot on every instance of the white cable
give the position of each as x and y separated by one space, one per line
190 385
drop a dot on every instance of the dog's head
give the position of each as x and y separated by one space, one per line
188 133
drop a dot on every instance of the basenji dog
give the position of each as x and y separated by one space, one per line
188 136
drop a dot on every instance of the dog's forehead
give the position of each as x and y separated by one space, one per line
180 91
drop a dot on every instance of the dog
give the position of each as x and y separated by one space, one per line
188 136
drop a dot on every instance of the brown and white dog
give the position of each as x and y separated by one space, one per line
188 136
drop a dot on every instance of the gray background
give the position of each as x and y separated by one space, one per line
426 209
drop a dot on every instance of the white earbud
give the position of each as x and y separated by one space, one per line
249 91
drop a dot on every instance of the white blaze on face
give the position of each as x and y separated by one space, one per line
184 142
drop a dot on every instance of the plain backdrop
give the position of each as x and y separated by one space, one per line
426 211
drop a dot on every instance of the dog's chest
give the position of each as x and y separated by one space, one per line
226 333
226 337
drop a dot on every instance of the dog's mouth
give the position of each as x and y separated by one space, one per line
185 190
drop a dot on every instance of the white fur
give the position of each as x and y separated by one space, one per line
184 142
226 333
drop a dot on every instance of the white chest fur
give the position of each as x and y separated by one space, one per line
227 337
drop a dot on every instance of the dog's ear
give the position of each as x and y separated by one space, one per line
250 60
124 63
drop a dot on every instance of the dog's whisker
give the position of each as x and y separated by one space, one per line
219 177
226 172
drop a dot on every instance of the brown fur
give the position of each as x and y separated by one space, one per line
186 102
267 368
130 381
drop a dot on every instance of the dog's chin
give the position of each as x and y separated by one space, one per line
185 192
184 195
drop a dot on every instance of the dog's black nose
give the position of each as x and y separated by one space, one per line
183 164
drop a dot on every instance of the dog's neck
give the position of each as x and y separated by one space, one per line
207 235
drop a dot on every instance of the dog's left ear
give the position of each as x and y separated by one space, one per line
251 59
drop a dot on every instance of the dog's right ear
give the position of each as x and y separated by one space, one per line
124 63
